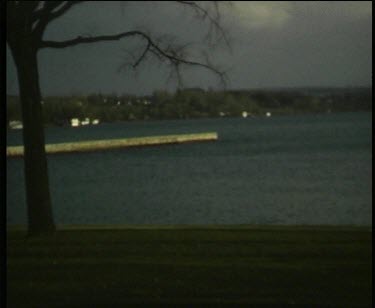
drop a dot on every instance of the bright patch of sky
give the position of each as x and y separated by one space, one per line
261 14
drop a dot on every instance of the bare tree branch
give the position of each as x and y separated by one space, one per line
168 53
143 55
50 11
214 20
89 39
63 9
164 48
30 6
45 10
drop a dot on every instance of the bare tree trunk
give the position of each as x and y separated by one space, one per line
39 208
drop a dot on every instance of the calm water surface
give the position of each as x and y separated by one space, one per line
311 169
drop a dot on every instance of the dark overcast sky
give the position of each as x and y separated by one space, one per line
274 44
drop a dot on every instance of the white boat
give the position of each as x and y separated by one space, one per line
86 121
15 125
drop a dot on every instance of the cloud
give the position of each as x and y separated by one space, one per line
360 8
261 14
347 10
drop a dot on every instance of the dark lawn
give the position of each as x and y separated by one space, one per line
270 266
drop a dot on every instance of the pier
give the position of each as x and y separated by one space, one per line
98 145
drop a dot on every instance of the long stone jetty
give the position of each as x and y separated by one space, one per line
98 145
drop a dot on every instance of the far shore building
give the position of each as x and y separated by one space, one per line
75 122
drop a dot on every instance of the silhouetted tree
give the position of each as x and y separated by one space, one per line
26 24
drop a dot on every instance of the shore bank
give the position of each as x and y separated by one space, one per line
252 265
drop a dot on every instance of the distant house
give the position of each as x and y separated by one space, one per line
74 122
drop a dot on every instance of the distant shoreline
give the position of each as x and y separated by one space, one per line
259 227
197 103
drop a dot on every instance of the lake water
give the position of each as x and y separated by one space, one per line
307 169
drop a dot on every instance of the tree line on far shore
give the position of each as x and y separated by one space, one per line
197 103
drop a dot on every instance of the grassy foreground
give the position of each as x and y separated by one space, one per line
255 266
